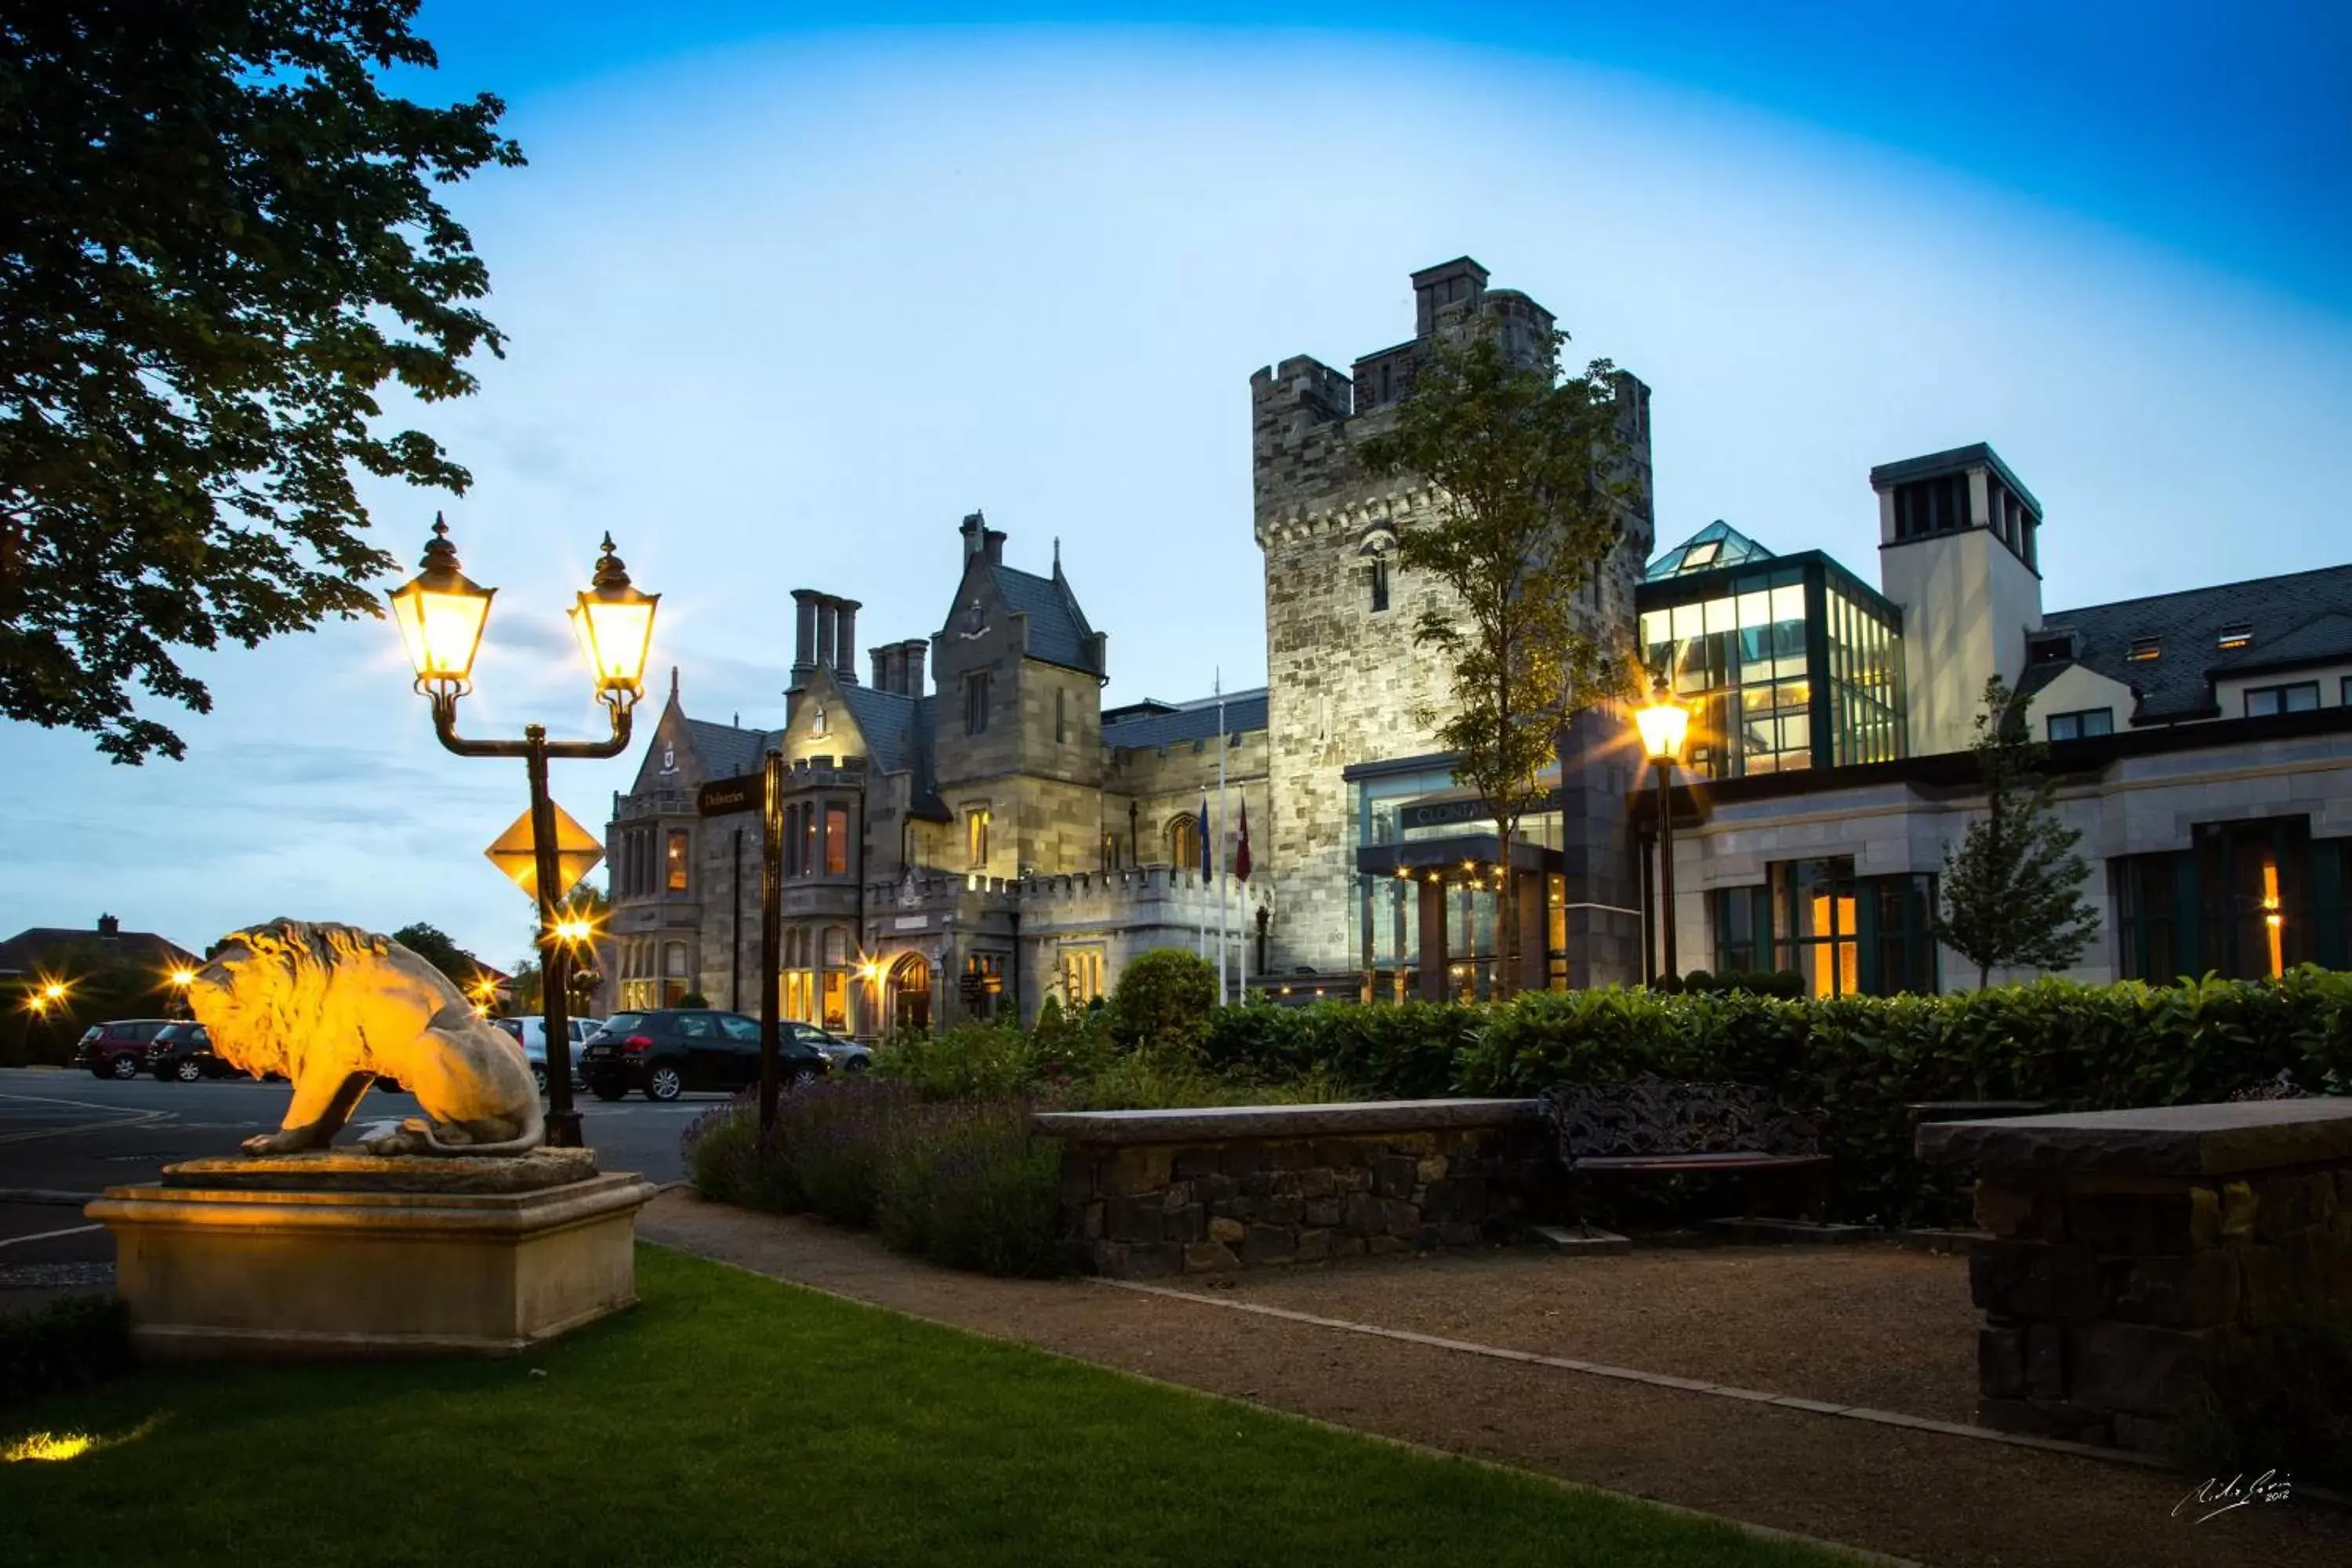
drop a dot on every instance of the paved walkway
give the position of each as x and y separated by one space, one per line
1909 1491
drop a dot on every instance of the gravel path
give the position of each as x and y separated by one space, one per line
1913 1494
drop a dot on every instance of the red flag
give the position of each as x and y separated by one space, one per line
1240 855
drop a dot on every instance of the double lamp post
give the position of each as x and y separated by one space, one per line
440 614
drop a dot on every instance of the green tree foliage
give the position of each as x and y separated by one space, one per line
218 241
1163 1002
1527 465
2013 891
437 948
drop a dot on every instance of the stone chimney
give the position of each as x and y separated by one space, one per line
844 663
109 926
974 524
992 540
884 659
911 654
804 635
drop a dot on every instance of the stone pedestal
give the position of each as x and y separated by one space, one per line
2127 1245
335 1254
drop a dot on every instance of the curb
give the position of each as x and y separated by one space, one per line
47 1196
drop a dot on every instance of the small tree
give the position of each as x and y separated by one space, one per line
1162 1003
437 948
1527 469
2012 891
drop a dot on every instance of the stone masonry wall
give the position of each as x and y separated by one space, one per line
1147 1210
2101 1306
1345 681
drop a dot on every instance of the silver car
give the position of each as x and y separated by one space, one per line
531 1034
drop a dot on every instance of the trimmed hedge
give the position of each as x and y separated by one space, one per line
66 1345
1863 1060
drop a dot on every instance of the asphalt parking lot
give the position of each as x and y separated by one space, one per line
67 1136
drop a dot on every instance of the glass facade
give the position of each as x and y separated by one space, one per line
1786 662
2246 900
1847 935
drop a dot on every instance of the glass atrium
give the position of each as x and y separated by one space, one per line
1787 662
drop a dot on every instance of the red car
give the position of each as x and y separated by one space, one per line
119 1049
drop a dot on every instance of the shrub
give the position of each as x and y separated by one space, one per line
968 1061
65 1346
1163 1002
2278 1398
694 999
969 1186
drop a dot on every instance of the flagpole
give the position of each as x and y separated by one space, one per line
1223 942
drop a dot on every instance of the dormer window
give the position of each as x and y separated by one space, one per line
2235 637
2050 647
2143 650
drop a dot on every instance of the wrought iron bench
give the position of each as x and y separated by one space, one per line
1654 1126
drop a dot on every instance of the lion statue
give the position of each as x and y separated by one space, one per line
334 1008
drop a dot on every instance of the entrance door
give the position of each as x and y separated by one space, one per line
910 992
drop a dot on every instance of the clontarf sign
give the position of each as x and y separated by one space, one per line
724 798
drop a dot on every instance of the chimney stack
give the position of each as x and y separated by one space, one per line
973 525
804 635
109 926
844 663
994 540
910 665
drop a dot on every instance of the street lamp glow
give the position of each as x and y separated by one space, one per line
614 626
440 613
575 930
184 977
1662 722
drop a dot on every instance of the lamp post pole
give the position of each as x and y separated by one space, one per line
772 898
1667 868
440 616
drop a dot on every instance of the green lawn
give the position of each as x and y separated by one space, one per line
729 1419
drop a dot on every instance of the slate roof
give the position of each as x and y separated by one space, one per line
888 720
21 951
728 752
1058 632
1194 720
2300 619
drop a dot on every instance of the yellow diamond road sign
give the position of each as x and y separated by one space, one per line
576 852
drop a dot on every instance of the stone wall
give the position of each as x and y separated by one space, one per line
2101 1306
1345 680
1155 1210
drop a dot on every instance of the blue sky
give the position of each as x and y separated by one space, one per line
788 296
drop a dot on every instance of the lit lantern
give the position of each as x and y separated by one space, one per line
440 613
615 625
1662 722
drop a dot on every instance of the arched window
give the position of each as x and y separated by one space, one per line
1184 842
1377 547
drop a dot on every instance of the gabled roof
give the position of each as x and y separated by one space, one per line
1730 548
1194 720
728 752
20 953
2300 619
1058 632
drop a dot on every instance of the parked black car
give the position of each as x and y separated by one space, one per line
667 1052
116 1049
184 1051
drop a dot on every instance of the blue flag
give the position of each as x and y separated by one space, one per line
1207 844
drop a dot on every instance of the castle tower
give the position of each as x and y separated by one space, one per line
1345 675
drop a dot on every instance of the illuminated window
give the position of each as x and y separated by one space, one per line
2234 637
836 841
2145 648
1184 842
1700 555
1082 975
975 836
677 860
